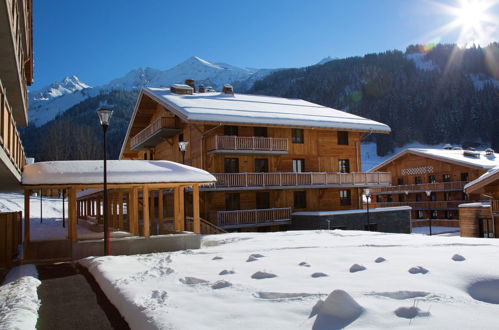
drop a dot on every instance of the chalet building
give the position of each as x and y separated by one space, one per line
481 219
432 182
16 73
271 156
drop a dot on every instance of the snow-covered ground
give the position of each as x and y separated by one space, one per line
308 279
19 301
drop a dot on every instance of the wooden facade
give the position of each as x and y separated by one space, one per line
264 172
433 186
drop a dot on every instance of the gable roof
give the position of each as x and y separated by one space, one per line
457 157
484 179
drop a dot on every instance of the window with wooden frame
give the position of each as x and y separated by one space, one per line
300 200
433 197
261 165
231 165
379 199
260 131
232 202
389 198
419 197
344 165
464 176
418 180
345 197
297 135
263 200
400 181
431 179
298 165
446 178
343 138
230 130
433 214
401 197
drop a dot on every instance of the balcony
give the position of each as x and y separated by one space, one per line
418 188
288 180
154 134
253 218
495 206
246 145
426 205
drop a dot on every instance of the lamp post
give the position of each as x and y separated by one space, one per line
428 194
367 199
104 117
182 146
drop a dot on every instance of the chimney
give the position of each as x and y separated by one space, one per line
228 89
190 82
201 89
181 89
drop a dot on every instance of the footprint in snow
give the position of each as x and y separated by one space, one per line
217 258
319 274
357 268
262 275
226 272
221 284
458 257
379 260
254 257
410 312
418 270
193 280
304 264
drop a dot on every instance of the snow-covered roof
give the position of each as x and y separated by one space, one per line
257 109
357 211
118 171
484 161
493 173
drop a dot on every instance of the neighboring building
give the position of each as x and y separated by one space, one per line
271 156
16 73
432 182
481 219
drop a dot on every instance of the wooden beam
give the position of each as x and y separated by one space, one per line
78 186
153 212
113 214
26 219
145 209
162 227
73 235
120 210
181 208
195 209
134 211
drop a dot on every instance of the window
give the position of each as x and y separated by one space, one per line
486 228
419 214
379 199
389 198
343 138
446 196
433 196
345 197
464 176
298 165
231 165
433 214
400 181
446 178
419 197
300 200
263 200
431 179
180 137
260 131
232 202
448 214
261 165
417 180
297 135
344 165
402 198
230 130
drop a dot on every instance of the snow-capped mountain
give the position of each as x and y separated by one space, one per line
52 100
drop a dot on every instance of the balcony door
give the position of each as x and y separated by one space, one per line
298 165
231 165
260 131
263 200
261 165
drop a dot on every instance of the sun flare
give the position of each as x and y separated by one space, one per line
471 14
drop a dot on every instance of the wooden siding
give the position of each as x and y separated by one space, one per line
10 236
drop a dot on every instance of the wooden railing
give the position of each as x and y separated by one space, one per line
227 180
10 236
206 226
247 143
10 140
239 218
495 206
162 122
426 205
411 188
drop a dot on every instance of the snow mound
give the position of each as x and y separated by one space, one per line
418 270
283 295
226 272
336 312
400 295
193 280
458 257
357 268
379 259
485 290
410 312
262 275
221 284
217 258
304 264
254 257
319 274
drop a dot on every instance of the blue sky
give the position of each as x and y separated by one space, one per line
99 40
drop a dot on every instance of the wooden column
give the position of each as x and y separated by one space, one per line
195 209
98 210
153 211
72 233
120 210
162 228
176 209
112 206
134 211
145 208
89 207
26 219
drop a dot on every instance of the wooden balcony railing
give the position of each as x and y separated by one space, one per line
241 218
162 122
10 140
285 179
412 188
426 205
247 143
495 206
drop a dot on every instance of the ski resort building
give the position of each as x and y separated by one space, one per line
271 156
16 73
433 181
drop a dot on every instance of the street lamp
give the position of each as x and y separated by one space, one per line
182 146
104 117
428 194
366 197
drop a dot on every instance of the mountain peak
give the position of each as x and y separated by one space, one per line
68 85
